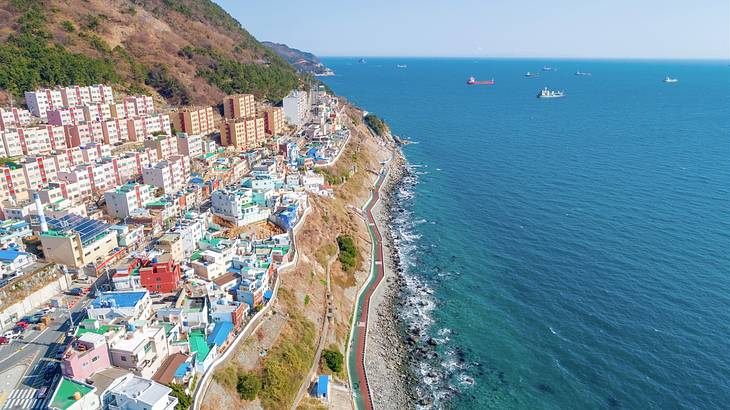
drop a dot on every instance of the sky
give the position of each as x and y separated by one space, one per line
466 28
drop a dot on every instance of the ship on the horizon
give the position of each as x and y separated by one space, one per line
545 93
362 61
669 79
473 81
582 73
401 66
546 68
529 74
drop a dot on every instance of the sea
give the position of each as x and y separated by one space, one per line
569 253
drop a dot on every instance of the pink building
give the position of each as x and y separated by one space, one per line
88 355
65 116
13 117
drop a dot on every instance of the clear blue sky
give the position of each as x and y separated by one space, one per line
523 28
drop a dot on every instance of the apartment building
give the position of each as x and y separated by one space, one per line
164 146
139 105
42 100
194 120
65 116
97 112
239 105
171 174
14 117
190 145
123 200
274 120
243 133
296 106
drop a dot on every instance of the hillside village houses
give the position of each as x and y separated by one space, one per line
183 215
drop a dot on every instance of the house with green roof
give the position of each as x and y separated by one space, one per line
73 395
204 353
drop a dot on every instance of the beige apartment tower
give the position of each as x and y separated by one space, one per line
239 105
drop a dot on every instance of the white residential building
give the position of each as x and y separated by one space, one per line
296 107
123 200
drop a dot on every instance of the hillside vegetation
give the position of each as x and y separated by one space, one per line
185 51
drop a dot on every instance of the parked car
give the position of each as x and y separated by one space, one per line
4 340
76 291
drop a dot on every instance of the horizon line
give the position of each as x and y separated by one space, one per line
528 57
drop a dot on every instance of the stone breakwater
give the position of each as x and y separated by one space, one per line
392 381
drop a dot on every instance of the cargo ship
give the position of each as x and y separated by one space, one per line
473 81
669 79
529 74
545 93
582 73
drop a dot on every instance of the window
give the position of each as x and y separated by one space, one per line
124 358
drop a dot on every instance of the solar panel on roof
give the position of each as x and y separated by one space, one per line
86 228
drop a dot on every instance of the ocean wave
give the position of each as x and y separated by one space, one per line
443 369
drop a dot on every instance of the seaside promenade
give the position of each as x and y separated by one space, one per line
356 357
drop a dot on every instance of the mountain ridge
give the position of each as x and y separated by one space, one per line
304 61
181 51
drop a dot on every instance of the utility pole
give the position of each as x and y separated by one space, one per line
64 268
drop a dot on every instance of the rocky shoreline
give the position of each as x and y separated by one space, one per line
393 382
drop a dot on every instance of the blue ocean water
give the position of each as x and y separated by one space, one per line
578 249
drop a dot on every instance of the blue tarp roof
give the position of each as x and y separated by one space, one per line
268 294
181 371
120 299
220 333
322 385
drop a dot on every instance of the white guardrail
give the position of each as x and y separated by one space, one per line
202 386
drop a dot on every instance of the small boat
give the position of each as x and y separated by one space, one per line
545 93
669 79
529 74
582 73
401 66
362 61
546 68
473 81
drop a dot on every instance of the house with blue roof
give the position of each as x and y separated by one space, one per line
126 305
13 258
221 334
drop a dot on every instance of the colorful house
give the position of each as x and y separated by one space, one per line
86 356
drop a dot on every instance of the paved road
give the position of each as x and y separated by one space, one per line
356 356
35 356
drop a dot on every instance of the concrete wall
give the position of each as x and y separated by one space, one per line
12 313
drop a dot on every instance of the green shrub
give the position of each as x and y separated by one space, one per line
249 385
376 124
183 399
333 359
348 252
160 78
68 26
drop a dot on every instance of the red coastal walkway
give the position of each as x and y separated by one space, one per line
356 356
